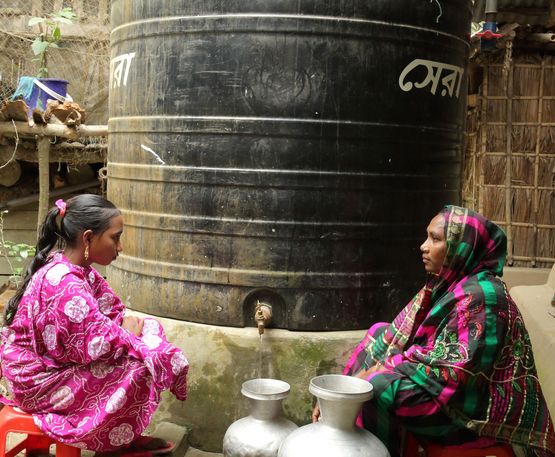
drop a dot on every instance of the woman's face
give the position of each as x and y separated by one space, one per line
105 247
435 246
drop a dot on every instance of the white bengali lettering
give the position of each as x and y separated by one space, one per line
119 69
451 82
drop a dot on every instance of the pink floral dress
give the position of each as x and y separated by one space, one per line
67 360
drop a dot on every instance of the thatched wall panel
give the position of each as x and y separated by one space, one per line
547 140
546 208
494 169
494 74
548 110
526 81
496 138
511 155
549 89
494 203
522 201
546 241
525 110
522 170
546 172
496 110
524 242
524 138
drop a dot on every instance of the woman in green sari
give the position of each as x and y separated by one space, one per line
455 367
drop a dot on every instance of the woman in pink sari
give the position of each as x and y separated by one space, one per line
89 375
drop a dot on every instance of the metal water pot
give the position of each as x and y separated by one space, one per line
261 433
335 434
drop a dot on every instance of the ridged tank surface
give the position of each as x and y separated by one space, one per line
288 151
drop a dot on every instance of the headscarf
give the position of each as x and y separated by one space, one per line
457 360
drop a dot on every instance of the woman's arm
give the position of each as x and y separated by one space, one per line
72 329
109 303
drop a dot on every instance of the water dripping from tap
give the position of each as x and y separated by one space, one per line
260 350
262 317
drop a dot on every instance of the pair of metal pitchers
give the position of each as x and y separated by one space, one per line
266 433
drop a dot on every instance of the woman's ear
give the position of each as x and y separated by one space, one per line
87 237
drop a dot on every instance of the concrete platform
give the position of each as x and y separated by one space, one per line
221 358
192 452
522 276
535 305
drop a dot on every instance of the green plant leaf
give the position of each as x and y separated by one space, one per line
56 34
64 20
35 20
38 46
66 13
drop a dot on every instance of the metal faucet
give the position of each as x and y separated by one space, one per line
262 315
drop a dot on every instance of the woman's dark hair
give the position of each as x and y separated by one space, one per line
83 212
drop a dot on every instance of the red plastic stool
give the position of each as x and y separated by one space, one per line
412 444
12 421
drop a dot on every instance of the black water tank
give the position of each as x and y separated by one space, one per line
288 151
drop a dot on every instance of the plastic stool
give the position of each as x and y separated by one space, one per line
12 421
412 444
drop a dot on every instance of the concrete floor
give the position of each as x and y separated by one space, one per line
192 452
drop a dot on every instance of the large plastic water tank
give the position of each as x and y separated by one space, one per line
288 151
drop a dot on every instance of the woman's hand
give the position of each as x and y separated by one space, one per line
133 324
316 413
363 374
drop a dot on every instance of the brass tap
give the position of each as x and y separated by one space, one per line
262 315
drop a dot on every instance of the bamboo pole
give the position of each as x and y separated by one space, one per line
508 168
536 203
59 130
539 259
483 138
43 147
63 152
527 224
475 174
522 65
522 97
524 124
519 186
541 37
515 154
471 185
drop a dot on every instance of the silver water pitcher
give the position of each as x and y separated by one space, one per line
260 433
335 434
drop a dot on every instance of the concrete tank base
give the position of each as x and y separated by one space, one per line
222 358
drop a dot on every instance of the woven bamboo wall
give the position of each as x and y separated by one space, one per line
510 154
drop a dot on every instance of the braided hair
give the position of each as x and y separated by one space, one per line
82 212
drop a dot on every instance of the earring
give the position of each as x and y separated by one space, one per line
86 253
